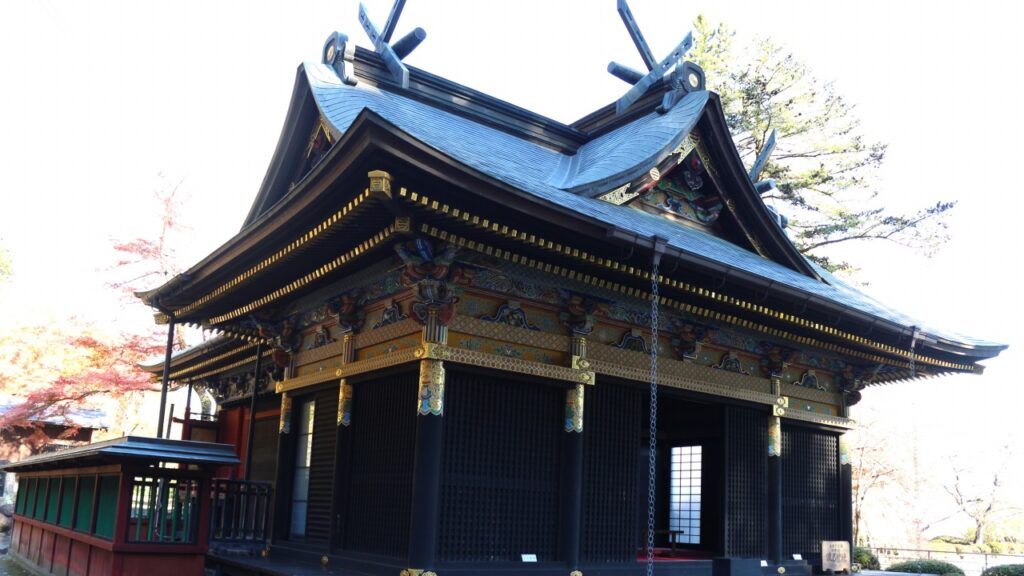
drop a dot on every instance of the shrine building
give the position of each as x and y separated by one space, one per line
439 327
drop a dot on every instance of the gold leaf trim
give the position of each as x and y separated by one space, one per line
299 242
364 246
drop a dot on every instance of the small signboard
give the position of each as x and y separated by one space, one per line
529 557
835 556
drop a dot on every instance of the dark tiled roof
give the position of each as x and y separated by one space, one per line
601 164
133 448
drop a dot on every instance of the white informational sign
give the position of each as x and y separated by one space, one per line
798 556
529 557
835 556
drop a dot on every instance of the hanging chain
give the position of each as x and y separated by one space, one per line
653 455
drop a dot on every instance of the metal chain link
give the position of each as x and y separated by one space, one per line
653 456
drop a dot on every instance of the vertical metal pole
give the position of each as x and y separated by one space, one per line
252 411
188 401
165 379
170 421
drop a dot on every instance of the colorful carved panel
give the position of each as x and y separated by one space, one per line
506 349
685 193
403 343
510 312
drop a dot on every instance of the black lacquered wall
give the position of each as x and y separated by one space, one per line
381 466
613 423
746 500
810 490
499 488
321 469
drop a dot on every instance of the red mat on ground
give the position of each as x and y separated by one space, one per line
665 555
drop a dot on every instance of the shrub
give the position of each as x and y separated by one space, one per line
926 567
1005 570
961 540
866 558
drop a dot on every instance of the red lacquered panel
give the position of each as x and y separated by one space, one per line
160 565
44 556
61 549
78 565
101 562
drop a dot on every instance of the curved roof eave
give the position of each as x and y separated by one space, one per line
642 226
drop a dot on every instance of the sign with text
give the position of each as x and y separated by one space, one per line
835 556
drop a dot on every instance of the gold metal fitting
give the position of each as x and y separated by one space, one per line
380 182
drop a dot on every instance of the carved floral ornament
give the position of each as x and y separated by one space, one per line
321 337
430 270
347 309
688 338
283 338
731 361
775 358
512 314
851 379
578 312
391 314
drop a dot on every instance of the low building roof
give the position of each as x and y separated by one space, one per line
131 449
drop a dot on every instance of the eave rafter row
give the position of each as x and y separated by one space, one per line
232 366
208 362
331 222
533 240
327 268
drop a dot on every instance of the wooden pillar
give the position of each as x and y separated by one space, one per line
124 503
252 411
205 503
572 463
426 494
775 473
343 447
165 377
279 528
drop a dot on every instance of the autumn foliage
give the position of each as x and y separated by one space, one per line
49 372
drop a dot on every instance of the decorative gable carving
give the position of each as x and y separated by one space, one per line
320 142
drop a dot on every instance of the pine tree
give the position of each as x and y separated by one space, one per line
823 166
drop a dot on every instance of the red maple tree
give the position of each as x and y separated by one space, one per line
49 372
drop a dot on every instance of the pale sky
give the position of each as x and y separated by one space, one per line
100 99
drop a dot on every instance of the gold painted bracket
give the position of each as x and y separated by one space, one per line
618 196
780 406
504 363
310 379
380 182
